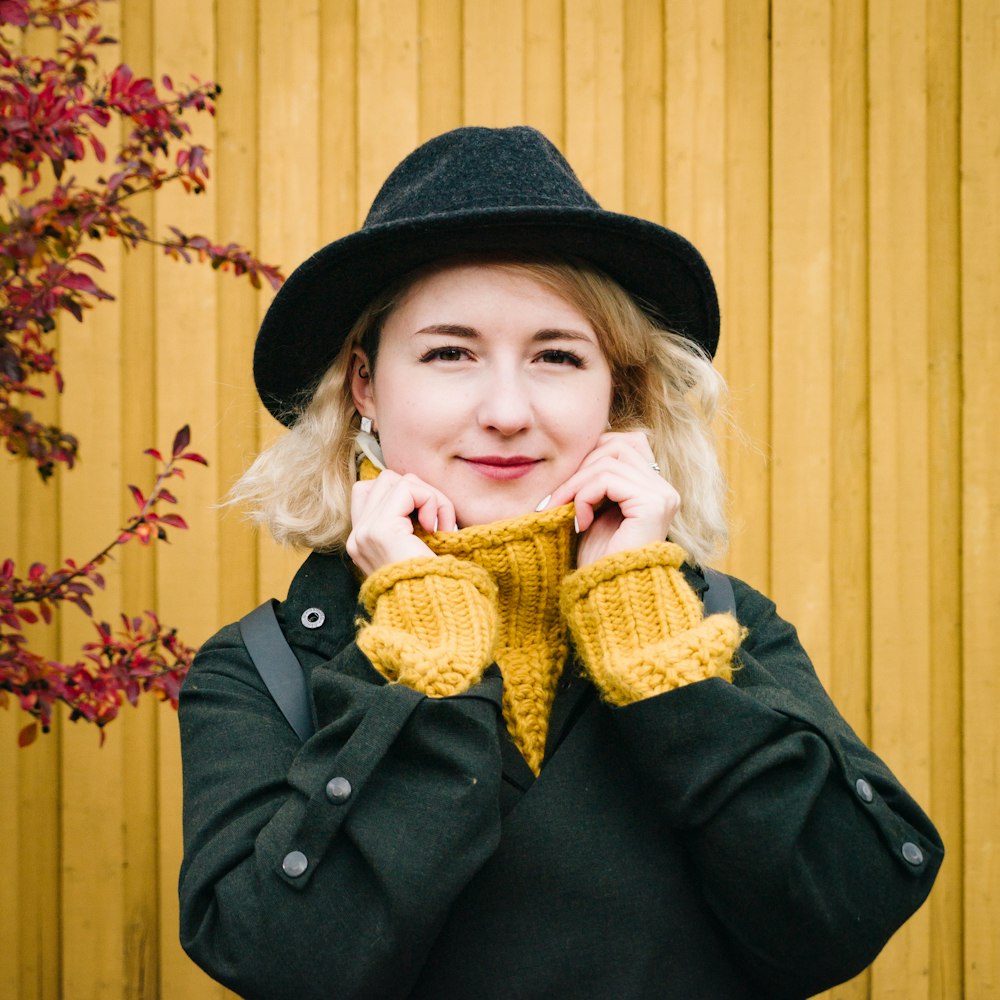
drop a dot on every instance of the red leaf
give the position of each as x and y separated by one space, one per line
154 453
174 520
167 497
181 440
80 282
28 735
137 496
88 258
193 456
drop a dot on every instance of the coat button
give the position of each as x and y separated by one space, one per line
338 790
912 853
313 617
294 864
864 790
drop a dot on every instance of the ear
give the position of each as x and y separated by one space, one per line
362 388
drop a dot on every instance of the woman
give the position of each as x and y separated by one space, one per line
539 768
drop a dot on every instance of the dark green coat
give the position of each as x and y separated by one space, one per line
721 840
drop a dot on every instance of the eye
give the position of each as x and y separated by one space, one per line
562 358
445 354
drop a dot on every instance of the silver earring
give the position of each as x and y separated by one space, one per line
366 425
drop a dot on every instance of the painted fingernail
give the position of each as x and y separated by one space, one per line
576 524
543 503
435 522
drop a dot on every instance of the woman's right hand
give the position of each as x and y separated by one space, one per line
382 512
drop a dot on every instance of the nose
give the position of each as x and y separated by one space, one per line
505 403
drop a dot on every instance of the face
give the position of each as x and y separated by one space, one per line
487 386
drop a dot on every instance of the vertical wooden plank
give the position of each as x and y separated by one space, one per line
801 333
900 450
944 309
744 355
92 806
38 771
235 160
139 729
493 62
288 119
849 567
388 91
850 627
980 138
440 67
32 777
544 58
644 97
39 928
695 193
185 315
339 209
11 721
595 127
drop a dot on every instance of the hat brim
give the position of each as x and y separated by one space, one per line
314 310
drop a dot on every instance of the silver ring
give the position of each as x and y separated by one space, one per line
654 466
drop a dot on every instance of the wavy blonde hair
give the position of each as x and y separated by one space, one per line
300 487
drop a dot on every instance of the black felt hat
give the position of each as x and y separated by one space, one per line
470 191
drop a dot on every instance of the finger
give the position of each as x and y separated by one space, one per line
619 486
639 472
435 513
630 446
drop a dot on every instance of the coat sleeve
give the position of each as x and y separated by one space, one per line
809 852
326 868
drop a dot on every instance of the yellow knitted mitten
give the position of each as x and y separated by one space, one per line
640 629
433 623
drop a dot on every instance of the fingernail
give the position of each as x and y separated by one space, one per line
435 522
576 524
543 503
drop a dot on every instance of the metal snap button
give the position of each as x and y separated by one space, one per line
912 853
294 864
864 790
313 617
338 790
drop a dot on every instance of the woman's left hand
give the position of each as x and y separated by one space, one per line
620 469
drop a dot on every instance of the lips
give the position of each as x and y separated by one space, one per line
502 467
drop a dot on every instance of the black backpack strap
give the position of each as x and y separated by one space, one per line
718 596
278 666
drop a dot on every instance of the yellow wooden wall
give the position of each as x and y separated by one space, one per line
838 162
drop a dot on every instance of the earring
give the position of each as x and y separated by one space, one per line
362 371
366 425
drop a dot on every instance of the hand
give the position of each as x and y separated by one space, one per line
382 523
642 503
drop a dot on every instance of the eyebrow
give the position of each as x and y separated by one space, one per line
470 333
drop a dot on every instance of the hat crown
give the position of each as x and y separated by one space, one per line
478 168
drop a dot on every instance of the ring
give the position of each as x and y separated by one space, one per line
654 467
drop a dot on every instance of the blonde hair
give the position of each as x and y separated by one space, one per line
300 487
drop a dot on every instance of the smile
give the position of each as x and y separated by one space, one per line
502 468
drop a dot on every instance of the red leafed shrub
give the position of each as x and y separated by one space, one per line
142 656
55 112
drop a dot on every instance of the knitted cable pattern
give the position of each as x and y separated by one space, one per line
640 629
527 557
433 623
